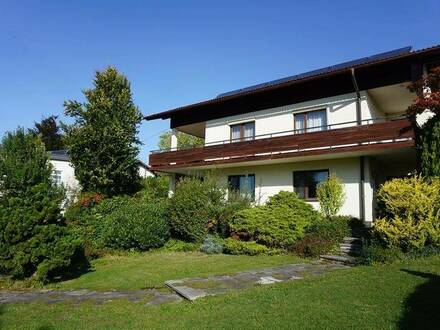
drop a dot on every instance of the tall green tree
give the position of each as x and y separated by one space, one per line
102 142
183 141
50 133
428 99
34 240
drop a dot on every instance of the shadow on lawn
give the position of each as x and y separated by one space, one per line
422 307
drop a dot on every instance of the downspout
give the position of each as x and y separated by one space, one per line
358 98
361 158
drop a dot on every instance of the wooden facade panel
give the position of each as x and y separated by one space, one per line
329 141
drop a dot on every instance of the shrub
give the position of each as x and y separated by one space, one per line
279 223
312 245
136 225
410 213
194 208
174 245
331 195
233 246
375 252
333 229
34 239
154 187
212 245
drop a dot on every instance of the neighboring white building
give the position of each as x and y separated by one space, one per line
291 133
64 173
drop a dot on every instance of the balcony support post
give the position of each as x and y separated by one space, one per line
358 98
174 139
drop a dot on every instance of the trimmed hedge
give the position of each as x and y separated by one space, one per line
136 225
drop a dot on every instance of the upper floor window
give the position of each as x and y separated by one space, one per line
242 184
312 121
56 177
305 183
243 132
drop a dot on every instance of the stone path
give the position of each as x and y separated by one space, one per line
190 288
149 296
193 288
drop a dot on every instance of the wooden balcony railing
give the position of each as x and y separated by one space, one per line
371 135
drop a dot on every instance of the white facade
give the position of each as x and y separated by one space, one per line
340 110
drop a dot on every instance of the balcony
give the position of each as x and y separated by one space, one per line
372 134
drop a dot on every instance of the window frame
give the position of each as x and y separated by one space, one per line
242 130
56 177
305 113
306 187
252 195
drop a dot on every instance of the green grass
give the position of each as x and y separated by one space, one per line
148 270
402 295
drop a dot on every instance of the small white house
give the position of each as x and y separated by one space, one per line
64 173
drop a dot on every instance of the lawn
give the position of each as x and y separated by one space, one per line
401 295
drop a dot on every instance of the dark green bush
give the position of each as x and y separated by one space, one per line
34 240
312 245
333 229
279 223
212 245
135 225
233 246
374 252
194 208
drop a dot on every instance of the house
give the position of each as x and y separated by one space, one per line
290 134
64 173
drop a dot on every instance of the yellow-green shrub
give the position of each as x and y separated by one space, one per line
410 213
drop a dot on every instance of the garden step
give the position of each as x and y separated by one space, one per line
344 259
350 245
355 240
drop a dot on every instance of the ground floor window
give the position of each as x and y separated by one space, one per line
305 182
243 184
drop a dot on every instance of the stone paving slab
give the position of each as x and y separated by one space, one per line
149 296
194 288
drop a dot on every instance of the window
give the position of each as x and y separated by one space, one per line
305 182
243 132
56 177
243 184
313 121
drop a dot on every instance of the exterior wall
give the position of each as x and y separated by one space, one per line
67 174
340 109
270 179
144 172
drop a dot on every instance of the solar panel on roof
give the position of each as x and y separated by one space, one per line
339 66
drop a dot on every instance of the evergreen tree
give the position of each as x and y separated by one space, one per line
50 133
102 142
34 241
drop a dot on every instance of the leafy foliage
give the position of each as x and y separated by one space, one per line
49 133
331 229
312 245
183 141
410 213
174 245
155 187
102 142
233 246
331 195
279 223
34 239
136 225
428 89
376 253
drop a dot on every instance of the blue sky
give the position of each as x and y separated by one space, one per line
180 52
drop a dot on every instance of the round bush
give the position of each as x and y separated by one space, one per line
237 247
279 223
138 225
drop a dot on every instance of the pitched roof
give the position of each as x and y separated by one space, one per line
295 79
